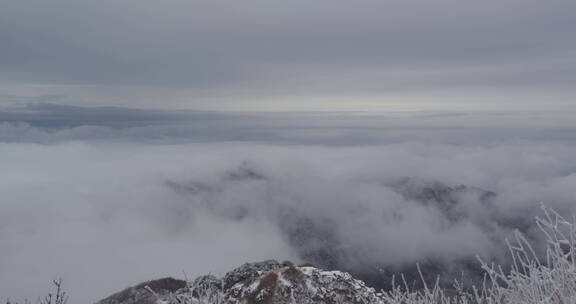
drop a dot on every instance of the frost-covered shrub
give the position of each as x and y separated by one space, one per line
58 296
531 280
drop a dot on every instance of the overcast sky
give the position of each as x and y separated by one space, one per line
109 109
289 55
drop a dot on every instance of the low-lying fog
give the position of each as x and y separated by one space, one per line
107 205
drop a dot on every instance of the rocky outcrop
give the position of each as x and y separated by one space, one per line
267 282
290 284
248 271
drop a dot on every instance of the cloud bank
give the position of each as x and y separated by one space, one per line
106 215
53 123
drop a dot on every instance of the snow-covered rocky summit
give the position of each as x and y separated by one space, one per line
301 285
267 282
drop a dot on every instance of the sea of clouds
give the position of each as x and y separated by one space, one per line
106 202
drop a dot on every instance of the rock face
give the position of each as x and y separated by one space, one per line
267 282
301 285
248 271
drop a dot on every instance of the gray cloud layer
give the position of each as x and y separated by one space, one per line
107 216
258 48
53 123
106 197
